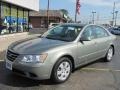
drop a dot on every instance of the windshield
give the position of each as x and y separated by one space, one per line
63 32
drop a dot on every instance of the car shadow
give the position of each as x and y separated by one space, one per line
7 78
10 79
91 63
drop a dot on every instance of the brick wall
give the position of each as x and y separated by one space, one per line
35 21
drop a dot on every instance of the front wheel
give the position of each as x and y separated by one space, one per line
62 70
109 54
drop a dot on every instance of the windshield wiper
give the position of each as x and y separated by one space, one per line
40 36
60 39
64 40
50 38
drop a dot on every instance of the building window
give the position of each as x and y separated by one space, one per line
20 20
5 18
13 19
25 20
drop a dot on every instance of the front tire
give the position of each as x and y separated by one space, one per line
109 54
62 70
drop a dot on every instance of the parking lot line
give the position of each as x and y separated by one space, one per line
97 69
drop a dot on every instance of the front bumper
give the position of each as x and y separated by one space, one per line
40 71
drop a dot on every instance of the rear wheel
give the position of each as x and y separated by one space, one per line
109 54
62 70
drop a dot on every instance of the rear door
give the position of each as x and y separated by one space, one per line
102 40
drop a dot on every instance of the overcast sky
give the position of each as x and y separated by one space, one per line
102 7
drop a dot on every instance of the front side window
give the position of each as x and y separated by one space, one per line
63 32
88 33
100 32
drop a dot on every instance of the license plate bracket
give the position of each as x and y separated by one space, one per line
9 65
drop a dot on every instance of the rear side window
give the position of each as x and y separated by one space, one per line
100 32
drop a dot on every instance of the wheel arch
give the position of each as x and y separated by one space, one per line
113 48
71 59
68 56
52 77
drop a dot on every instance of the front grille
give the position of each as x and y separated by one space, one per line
11 55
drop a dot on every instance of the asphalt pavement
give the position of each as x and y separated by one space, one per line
95 76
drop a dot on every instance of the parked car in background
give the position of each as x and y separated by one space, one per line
115 30
53 25
59 51
107 26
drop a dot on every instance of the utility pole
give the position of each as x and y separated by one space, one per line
98 18
116 12
93 17
76 12
48 5
90 19
0 13
113 19
77 9
75 16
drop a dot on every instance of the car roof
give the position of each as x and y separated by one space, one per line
54 23
74 24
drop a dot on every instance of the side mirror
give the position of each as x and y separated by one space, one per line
85 39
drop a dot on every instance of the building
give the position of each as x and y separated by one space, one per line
40 19
14 15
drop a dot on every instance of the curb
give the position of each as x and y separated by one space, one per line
1 60
12 35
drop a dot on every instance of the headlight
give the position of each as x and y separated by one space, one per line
34 58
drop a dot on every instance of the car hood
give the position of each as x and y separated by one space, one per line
35 46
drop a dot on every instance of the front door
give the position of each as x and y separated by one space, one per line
86 51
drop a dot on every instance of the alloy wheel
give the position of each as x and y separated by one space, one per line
63 70
110 54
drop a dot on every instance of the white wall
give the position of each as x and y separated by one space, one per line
30 4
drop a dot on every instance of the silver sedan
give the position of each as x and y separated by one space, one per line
59 51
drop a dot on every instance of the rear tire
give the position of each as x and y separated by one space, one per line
109 55
62 70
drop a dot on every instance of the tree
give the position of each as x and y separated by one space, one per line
64 11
